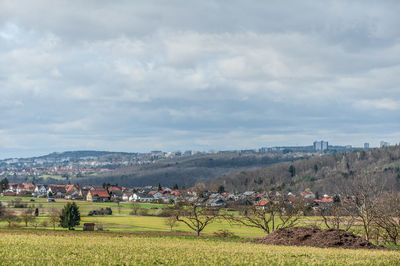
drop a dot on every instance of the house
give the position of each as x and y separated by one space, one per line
218 202
83 192
96 187
155 194
229 196
116 194
127 196
40 189
72 192
141 197
307 195
57 191
324 202
261 203
176 193
25 188
98 196
12 187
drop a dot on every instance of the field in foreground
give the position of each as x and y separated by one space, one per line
91 248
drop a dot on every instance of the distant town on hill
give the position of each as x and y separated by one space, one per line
169 168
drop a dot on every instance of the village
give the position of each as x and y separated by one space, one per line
154 194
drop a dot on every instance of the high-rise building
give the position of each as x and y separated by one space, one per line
366 145
320 145
384 144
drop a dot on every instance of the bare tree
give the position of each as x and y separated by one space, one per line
362 200
388 217
10 218
34 222
170 222
27 216
194 213
54 218
277 213
135 207
337 216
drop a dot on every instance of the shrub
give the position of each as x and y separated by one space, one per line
223 233
144 212
102 211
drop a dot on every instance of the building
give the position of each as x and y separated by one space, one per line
384 144
366 145
320 145
98 196
88 226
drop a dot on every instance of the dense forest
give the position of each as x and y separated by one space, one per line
323 174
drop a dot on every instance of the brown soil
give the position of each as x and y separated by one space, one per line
303 236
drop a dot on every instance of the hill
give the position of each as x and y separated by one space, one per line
184 171
324 174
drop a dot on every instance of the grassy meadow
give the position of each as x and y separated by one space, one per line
122 221
88 248
143 240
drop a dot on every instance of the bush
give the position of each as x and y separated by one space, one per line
17 203
223 233
144 212
164 213
102 211
45 223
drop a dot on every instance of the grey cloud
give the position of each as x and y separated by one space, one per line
136 75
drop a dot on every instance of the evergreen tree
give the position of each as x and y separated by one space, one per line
221 189
4 184
159 187
336 199
70 216
292 171
176 186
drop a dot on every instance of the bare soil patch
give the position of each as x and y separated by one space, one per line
329 238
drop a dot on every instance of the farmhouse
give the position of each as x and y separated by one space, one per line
98 196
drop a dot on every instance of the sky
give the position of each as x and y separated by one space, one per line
204 75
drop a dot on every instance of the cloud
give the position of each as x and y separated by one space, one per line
137 75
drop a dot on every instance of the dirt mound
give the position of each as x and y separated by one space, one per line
303 236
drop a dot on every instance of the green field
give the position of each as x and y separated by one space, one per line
122 221
94 248
144 240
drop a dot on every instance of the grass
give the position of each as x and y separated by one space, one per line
93 248
122 221
58 177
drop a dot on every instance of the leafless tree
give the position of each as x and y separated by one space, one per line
54 218
171 222
135 207
337 216
10 217
34 222
278 213
27 216
195 214
362 198
388 217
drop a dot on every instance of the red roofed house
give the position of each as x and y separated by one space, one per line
325 199
98 195
175 193
261 203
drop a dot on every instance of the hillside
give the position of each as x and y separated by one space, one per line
323 174
184 171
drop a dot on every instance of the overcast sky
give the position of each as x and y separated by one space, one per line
177 75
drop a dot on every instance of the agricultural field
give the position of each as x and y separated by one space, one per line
94 248
122 221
